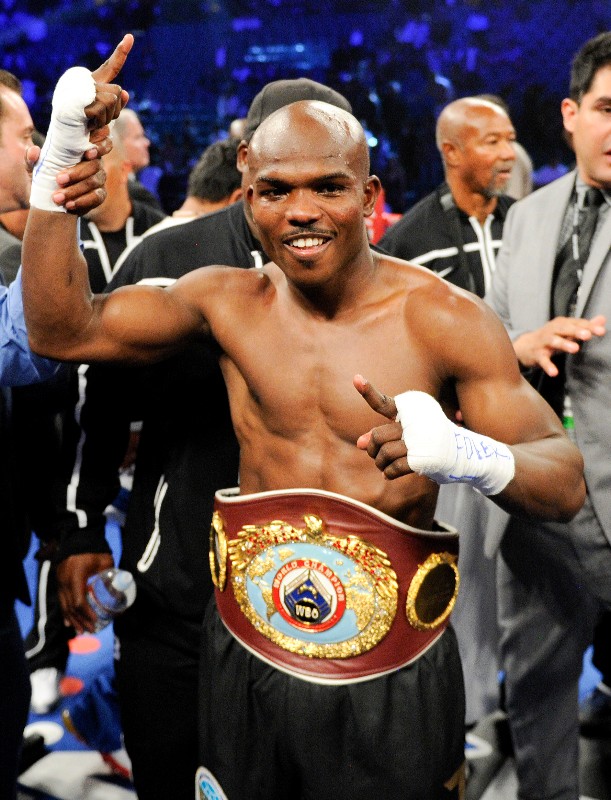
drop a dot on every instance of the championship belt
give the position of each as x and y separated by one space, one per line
327 588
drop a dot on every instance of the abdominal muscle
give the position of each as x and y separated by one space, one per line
271 463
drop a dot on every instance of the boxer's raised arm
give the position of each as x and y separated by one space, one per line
56 294
65 321
58 304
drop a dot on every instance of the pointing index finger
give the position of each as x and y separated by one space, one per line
381 403
109 70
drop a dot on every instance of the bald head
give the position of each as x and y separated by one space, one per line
475 138
118 152
310 190
310 128
459 116
112 214
129 132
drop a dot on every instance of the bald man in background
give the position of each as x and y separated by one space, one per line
456 229
129 132
457 232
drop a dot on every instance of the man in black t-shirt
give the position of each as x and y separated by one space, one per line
105 232
118 223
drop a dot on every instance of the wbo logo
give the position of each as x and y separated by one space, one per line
309 595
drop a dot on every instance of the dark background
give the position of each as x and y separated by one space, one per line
197 64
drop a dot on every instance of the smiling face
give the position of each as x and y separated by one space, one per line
310 190
16 128
589 123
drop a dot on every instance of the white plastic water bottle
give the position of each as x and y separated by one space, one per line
109 593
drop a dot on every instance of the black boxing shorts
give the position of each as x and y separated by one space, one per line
266 735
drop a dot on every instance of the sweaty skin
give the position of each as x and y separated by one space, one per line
294 336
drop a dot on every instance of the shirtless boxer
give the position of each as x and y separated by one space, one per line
330 667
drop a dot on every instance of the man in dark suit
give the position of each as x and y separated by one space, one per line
552 289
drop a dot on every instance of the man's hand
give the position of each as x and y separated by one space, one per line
81 187
425 441
84 104
384 443
559 335
110 99
72 575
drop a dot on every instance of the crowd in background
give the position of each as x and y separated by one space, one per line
202 61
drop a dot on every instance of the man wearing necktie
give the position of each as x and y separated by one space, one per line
552 289
568 269
577 233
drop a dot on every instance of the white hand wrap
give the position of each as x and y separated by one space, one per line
67 137
447 453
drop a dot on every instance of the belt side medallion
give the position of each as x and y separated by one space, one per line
311 592
432 592
217 553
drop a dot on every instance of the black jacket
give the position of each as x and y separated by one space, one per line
438 235
102 250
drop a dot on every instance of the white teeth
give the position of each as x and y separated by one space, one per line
307 242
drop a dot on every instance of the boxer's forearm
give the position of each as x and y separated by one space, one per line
448 453
541 477
548 482
56 292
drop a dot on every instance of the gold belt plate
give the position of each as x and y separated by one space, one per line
308 591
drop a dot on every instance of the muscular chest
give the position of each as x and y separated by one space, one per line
297 373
